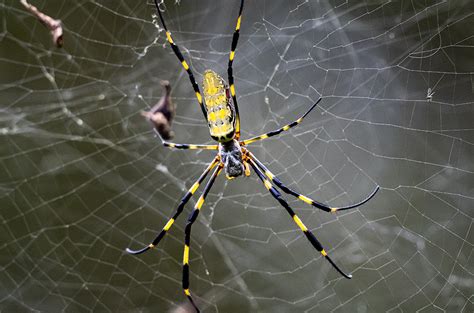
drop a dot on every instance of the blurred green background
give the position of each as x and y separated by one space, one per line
83 177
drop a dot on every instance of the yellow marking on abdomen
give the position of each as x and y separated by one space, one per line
218 115
300 223
221 130
323 252
186 292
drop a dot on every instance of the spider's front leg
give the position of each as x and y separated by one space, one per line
235 40
183 62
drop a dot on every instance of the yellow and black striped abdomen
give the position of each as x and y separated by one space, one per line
220 114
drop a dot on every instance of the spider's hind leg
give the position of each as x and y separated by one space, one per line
309 235
179 210
304 198
187 239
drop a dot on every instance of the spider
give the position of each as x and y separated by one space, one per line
221 112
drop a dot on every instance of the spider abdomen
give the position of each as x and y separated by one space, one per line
220 115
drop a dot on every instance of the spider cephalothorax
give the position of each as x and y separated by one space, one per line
222 115
231 156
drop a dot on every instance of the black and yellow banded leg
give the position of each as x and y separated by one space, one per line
304 198
179 210
235 40
185 65
309 235
187 238
184 146
282 129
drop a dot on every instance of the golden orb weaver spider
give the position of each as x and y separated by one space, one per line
222 115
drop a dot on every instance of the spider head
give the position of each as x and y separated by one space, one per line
231 157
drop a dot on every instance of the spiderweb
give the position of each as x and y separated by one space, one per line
83 176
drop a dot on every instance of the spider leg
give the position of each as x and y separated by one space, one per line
309 235
179 210
187 239
185 65
282 129
230 74
184 146
304 198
